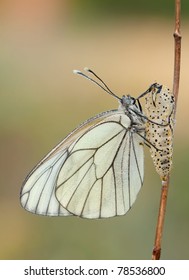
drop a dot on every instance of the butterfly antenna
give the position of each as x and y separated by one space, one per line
103 86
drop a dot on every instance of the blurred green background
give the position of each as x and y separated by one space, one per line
130 45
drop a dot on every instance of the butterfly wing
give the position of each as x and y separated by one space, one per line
103 172
95 172
38 190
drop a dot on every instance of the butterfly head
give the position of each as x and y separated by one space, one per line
132 108
128 101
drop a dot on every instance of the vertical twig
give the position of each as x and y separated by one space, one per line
165 183
161 217
177 38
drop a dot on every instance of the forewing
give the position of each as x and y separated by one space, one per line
38 190
103 171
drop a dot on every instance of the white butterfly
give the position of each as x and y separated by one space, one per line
96 171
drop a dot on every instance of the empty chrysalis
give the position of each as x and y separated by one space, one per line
159 110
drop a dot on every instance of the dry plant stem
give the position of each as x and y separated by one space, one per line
177 37
161 216
165 182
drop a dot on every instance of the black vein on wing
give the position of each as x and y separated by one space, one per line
129 170
111 166
94 126
84 204
122 171
135 156
96 149
38 202
34 185
67 205
92 164
85 149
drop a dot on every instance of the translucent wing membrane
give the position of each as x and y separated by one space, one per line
38 190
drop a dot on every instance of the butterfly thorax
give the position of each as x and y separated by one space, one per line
133 111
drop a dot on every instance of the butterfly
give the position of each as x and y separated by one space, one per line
97 170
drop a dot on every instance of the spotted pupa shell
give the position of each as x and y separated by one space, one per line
159 109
